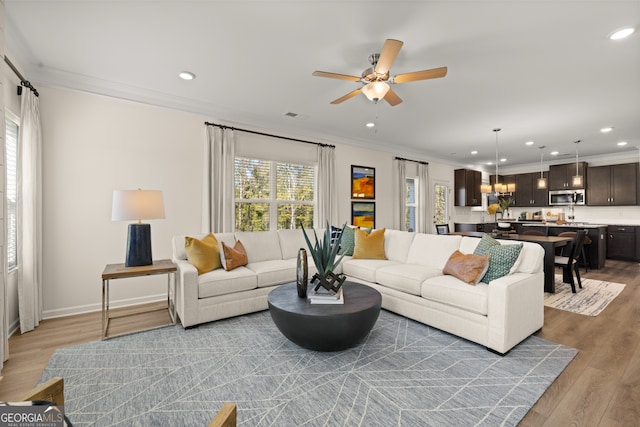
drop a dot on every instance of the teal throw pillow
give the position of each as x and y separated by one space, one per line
348 242
501 257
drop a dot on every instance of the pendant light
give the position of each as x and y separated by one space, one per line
577 180
542 181
498 189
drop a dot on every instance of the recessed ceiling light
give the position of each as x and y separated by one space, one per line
370 125
529 143
503 159
489 163
606 129
474 152
187 75
554 153
622 143
622 33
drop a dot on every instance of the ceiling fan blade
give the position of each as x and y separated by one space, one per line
388 55
392 98
336 76
347 96
434 73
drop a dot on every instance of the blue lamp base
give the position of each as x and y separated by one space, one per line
139 245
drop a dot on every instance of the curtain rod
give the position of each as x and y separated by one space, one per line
415 161
270 135
23 81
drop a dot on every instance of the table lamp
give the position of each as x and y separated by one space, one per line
137 205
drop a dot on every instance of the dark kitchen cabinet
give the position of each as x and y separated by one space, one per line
614 185
560 176
621 243
467 187
527 193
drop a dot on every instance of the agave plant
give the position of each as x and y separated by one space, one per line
324 251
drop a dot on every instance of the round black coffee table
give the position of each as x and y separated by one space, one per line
325 327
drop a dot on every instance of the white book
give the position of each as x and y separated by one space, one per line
326 298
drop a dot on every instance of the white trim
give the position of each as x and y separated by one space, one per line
90 308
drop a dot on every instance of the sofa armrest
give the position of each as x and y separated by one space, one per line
186 298
515 309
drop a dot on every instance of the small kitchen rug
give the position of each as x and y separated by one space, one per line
594 296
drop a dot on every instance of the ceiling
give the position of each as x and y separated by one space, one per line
541 70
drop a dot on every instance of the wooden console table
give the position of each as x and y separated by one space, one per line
119 271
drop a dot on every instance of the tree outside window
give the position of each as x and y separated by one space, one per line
273 195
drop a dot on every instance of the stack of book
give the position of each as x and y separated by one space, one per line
322 296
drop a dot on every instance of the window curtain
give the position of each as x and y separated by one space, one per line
423 225
218 200
400 193
327 206
29 218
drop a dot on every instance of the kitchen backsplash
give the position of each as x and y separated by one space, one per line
619 215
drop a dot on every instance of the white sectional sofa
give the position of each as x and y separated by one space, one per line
498 315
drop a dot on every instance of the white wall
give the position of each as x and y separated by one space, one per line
94 144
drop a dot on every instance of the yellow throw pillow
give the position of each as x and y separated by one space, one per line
203 254
234 257
469 268
369 245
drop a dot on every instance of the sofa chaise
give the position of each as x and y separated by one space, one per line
498 315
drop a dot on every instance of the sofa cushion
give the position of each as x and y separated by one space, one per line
406 277
397 244
469 268
261 245
502 257
291 241
454 292
274 272
432 249
369 245
221 282
233 257
364 269
203 254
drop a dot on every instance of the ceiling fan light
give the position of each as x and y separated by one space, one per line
375 91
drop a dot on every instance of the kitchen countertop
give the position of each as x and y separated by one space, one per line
568 225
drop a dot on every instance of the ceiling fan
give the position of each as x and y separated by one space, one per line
376 80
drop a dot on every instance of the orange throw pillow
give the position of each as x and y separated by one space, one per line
234 257
469 268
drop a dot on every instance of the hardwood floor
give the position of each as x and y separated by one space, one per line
601 386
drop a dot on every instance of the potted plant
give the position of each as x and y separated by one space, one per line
505 202
324 254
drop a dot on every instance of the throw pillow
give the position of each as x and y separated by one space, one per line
234 257
203 254
348 241
469 268
369 246
335 232
502 257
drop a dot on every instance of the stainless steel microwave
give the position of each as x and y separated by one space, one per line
566 197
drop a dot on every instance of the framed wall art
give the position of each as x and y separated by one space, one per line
363 182
363 214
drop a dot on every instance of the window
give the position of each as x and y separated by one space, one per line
410 205
12 192
271 195
441 216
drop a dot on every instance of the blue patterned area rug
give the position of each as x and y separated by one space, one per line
403 374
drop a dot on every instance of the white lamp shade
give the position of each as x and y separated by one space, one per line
137 205
375 91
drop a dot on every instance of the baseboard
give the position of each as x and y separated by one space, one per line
90 308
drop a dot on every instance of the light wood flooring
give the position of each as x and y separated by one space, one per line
600 387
